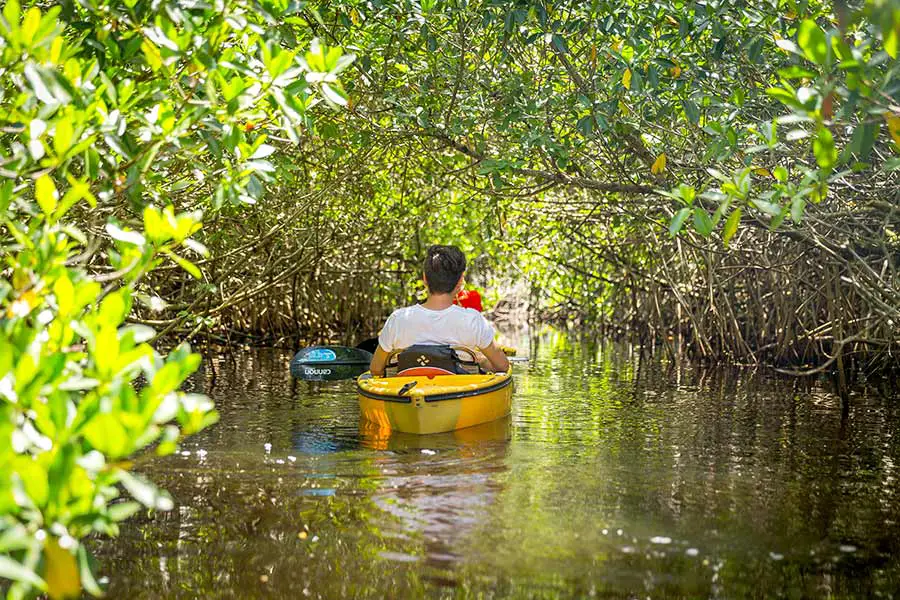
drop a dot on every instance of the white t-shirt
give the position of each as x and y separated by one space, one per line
419 325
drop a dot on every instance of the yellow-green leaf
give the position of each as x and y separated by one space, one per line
152 54
186 265
731 226
824 150
106 350
45 193
891 36
893 123
154 226
678 221
65 294
626 79
30 23
56 49
812 40
62 138
11 12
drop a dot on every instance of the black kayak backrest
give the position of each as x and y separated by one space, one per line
428 355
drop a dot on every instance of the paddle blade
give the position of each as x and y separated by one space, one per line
330 363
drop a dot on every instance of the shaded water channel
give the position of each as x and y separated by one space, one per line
613 477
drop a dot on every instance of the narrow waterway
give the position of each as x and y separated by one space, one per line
614 477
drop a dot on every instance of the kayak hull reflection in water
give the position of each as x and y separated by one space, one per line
422 405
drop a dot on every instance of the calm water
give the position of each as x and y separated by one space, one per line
613 478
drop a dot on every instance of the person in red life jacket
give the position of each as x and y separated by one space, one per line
469 299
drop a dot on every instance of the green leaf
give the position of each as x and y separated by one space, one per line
196 247
85 569
106 350
796 72
797 206
315 58
46 195
185 264
702 223
12 12
784 96
863 139
717 174
91 163
10 569
125 236
38 84
145 492
678 221
15 538
168 441
717 216
780 174
777 221
807 97
686 192
585 126
65 294
334 94
813 42
342 63
823 148
559 43
6 194
691 111
789 46
166 380
152 54
731 226
62 138
123 510
114 308
890 33
157 228
770 208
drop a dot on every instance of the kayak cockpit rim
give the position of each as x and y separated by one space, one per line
504 382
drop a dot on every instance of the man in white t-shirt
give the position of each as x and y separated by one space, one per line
438 321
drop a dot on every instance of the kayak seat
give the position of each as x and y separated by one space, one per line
430 361
429 372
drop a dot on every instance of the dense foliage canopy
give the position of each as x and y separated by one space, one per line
724 172
720 173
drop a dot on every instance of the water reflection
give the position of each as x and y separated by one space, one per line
617 475
443 496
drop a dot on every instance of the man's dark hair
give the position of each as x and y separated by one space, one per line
443 267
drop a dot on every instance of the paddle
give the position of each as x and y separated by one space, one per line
330 363
335 363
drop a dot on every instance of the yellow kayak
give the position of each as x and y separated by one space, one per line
422 404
